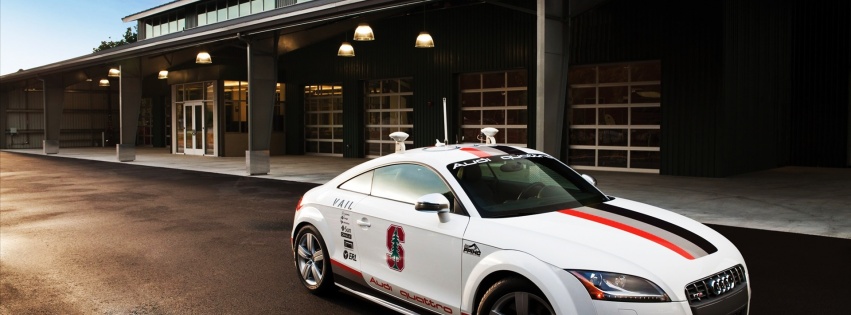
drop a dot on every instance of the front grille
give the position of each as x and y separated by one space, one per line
716 285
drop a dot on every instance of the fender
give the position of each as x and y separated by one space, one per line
558 286
310 215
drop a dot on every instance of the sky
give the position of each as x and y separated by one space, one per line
38 33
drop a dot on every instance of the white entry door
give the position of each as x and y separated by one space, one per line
194 128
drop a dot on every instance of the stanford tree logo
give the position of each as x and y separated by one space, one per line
396 256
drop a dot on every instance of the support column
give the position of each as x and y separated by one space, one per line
130 102
54 95
262 78
551 79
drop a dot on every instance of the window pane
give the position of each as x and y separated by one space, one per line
581 157
406 182
613 137
517 79
614 95
470 81
493 117
646 94
361 183
644 137
613 116
493 80
587 75
517 117
646 72
583 137
493 98
614 74
644 159
471 99
515 135
517 98
470 117
612 158
646 115
583 116
579 96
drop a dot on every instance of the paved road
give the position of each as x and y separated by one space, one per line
89 237
86 237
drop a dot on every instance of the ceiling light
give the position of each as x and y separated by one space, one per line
346 50
162 75
424 40
103 82
203 58
364 33
114 73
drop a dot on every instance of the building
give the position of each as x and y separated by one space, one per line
709 88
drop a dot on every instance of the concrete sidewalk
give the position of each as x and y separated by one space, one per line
805 200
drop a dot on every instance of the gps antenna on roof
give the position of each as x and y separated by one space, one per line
399 137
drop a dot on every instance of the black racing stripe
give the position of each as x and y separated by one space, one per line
509 150
662 224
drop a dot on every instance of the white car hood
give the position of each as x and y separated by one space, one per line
620 236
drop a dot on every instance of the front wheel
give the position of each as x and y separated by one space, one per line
312 261
516 296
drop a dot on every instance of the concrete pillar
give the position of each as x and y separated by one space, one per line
551 80
54 96
262 77
130 102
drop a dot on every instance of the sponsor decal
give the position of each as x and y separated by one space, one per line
470 162
472 249
348 244
350 256
381 284
343 204
425 302
345 232
676 238
411 297
344 218
396 255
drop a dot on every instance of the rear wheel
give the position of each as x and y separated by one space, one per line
312 261
516 296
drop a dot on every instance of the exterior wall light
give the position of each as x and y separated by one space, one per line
114 73
162 75
346 50
364 33
203 58
103 82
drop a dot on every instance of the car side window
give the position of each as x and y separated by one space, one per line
407 182
361 183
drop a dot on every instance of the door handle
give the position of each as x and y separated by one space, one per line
364 223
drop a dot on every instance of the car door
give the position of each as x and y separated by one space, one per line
406 253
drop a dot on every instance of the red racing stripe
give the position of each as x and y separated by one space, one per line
340 265
476 152
630 229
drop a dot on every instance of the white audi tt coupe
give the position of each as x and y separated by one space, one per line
492 229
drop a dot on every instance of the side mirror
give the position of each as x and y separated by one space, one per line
434 203
590 179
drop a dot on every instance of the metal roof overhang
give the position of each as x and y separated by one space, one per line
304 15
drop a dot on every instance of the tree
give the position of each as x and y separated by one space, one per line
129 37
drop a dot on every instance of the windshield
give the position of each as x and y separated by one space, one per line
511 185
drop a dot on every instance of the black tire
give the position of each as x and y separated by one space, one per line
312 261
504 296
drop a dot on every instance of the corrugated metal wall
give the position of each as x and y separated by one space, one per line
821 64
475 38
747 85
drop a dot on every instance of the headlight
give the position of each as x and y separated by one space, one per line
609 286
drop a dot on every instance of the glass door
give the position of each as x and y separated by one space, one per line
194 128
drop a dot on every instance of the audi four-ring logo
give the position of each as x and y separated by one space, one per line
720 284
